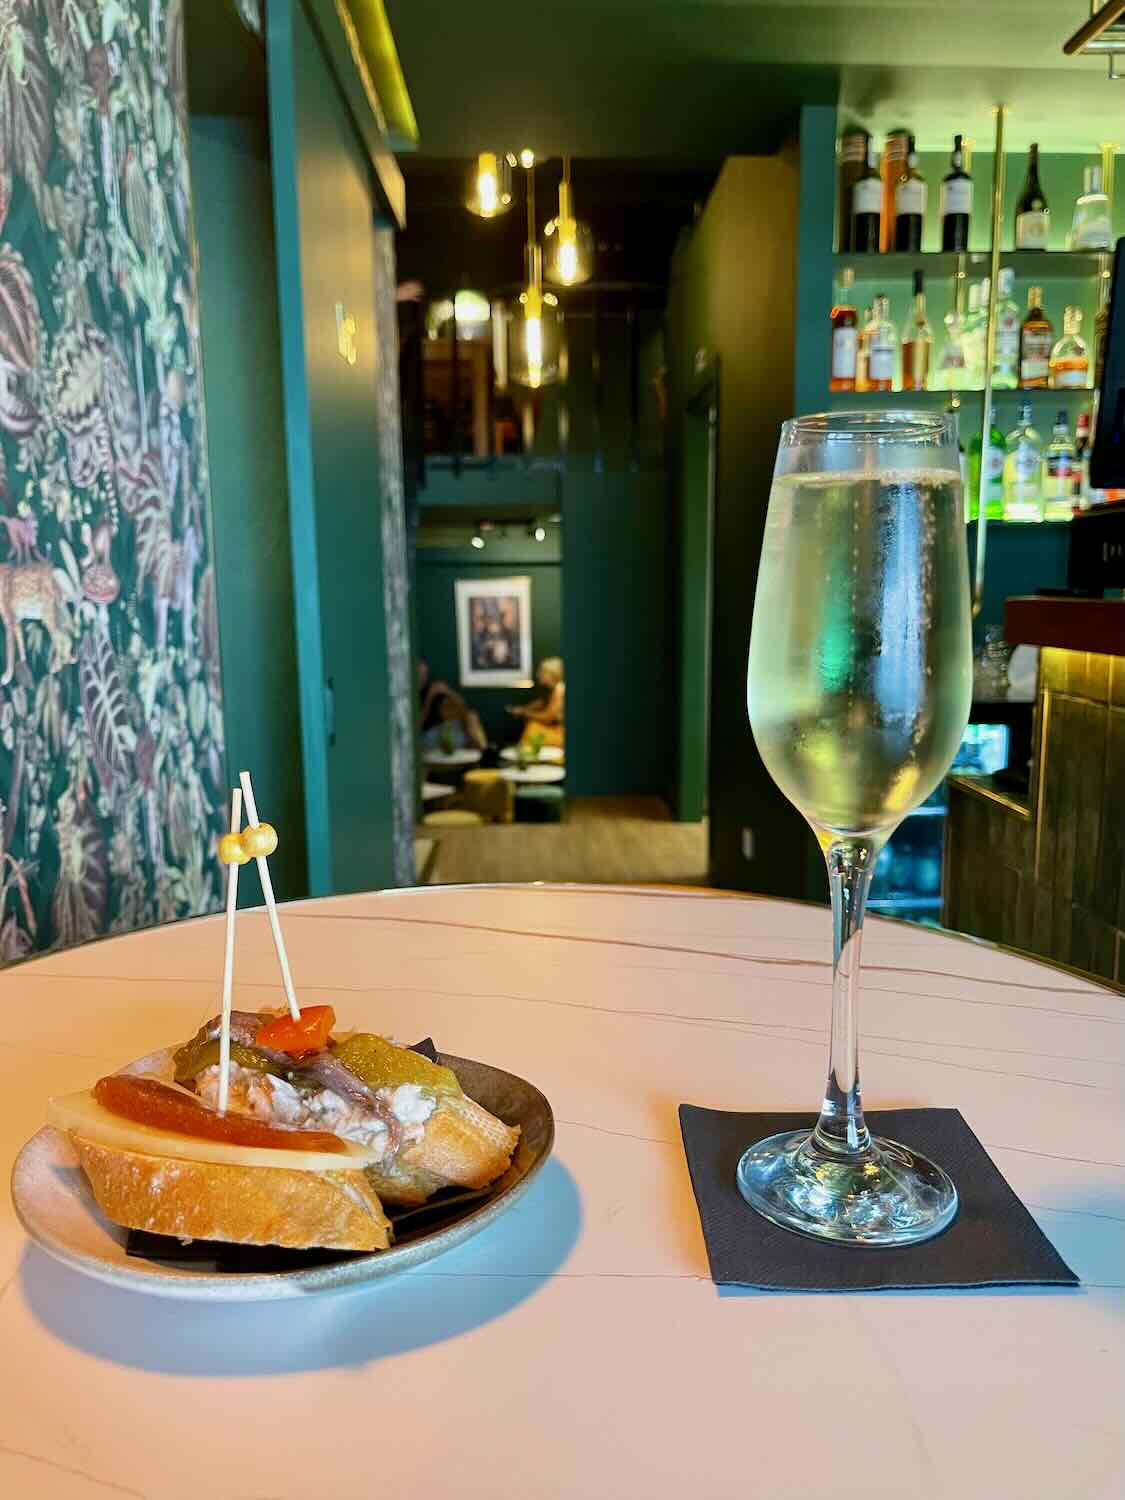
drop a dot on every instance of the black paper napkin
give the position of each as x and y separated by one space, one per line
993 1241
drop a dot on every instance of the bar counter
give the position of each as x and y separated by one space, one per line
1043 869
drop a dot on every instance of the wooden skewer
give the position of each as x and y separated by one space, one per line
271 901
228 957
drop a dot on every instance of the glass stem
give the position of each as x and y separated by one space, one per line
841 1129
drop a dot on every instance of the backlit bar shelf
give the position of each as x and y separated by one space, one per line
1030 266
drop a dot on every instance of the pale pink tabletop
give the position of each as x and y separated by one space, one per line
579 1348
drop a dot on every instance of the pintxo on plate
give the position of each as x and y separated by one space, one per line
267 1129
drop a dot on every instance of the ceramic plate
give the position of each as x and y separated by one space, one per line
56 1207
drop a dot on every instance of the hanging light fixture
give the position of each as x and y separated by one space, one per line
570 245
473 312
534 360
488 191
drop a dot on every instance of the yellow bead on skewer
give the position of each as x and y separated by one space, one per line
232 851
259 842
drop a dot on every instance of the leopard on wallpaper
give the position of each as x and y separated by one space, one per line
112 768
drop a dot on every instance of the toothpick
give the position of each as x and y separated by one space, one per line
271 901
228 958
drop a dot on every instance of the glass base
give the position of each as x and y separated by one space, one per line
888 1196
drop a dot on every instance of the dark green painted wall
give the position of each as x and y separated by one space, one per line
615 634
245 427
733 299
437 571
324 214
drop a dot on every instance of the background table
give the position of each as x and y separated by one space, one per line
433 790
551 754
579 1349
456 760
534 775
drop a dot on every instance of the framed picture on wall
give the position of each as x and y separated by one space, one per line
494 631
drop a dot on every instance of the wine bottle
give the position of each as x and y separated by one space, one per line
910 203
956 202
851 155
867 206
1033 216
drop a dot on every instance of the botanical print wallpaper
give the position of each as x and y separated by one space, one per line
396 584
112 770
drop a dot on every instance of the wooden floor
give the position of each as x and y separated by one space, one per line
607 840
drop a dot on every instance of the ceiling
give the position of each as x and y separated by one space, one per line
703 79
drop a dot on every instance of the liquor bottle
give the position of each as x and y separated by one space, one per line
845 335
917 342
894 161
1090 228
1058 473
1070 359
993 475
851 154
1023 471
1037 338
1033 217
1081 491
973 340
910 203
882 347
867 206
1006 349
861 352
956 202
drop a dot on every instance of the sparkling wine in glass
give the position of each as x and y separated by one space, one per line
859 687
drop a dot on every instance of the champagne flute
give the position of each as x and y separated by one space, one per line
858 690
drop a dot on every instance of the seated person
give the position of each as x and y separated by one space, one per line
544 716
446 718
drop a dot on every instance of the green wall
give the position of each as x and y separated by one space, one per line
735 299
615 634
325 205
614 631
245 431
437 571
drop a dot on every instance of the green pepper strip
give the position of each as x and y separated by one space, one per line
191 1060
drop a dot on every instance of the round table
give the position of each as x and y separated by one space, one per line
550 754
579 1348
456 760
534 775
433 790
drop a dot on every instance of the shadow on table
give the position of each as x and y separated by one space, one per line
458 1292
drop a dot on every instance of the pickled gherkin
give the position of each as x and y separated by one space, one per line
383 1065
195 1055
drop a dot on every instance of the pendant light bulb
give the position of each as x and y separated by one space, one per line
488 192
570 245
535 355
532 301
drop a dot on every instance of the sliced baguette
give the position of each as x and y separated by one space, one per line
464 1146
241 1205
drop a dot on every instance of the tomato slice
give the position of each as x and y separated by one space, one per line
308 1034
147 1101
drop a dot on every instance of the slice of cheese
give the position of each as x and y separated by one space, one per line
82 1115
